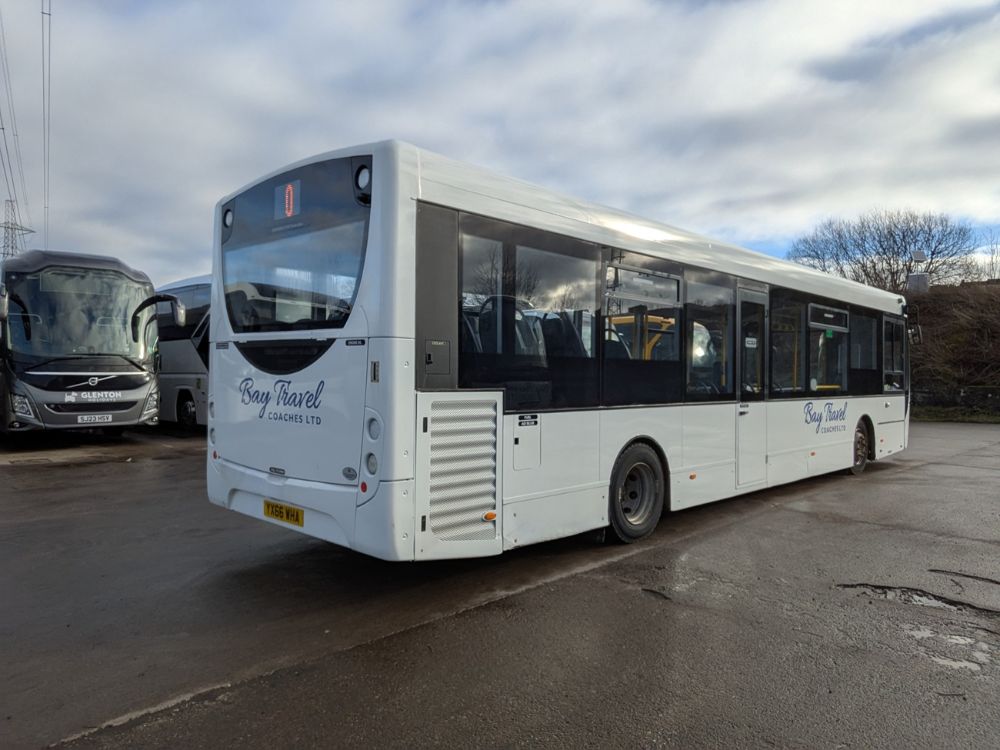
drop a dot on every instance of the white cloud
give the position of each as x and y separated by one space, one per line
749 120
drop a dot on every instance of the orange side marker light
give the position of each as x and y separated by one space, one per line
489 515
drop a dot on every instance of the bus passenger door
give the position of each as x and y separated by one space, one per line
751 415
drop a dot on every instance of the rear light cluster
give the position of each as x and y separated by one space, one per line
373 431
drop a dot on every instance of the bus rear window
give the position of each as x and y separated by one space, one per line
298 267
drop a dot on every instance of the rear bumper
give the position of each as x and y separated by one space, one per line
382 527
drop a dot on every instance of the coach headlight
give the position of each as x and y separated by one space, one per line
152 402
21 406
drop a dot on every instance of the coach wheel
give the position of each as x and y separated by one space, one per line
860 449
187 412
636 500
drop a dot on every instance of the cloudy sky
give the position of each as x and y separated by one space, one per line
750 121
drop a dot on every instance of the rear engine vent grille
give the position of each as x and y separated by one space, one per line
463 469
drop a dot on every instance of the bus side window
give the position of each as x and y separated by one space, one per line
710 341
788 361
863 373
641 338
894 376
828 329
527 302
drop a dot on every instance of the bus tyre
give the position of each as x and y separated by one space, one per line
861 448
636 494
187 412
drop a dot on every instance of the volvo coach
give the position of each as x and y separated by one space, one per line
77 343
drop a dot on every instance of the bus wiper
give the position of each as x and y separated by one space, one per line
49 361
134 362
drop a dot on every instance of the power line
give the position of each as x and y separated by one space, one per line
13 232
8 173
9 88
46 108
6 162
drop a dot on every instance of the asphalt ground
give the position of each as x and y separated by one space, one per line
835 612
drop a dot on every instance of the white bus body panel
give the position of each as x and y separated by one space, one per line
378 521
751 444
890 417
319 410
816 436
552 476
328 510
459 468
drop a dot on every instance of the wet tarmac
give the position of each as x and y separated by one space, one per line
836 612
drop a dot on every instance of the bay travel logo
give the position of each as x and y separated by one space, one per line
282 396
827 418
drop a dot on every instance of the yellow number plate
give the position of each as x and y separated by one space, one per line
284 513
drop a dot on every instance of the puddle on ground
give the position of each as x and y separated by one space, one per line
956 663
950 649
917 632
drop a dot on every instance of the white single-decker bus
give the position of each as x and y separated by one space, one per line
419 359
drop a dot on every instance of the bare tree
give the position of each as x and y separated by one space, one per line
990 262
567 299
877 248
961 337
486 279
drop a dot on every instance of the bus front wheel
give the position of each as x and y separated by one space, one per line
861 449
636 493
187 412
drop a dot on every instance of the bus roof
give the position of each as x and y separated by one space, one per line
205 279
36 260
525 203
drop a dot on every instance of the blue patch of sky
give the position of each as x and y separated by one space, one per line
954 22
869 59
777 247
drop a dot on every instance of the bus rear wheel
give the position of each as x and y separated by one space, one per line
861 449
636 494
187 412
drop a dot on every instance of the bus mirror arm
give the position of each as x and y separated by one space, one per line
180 314
6 297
